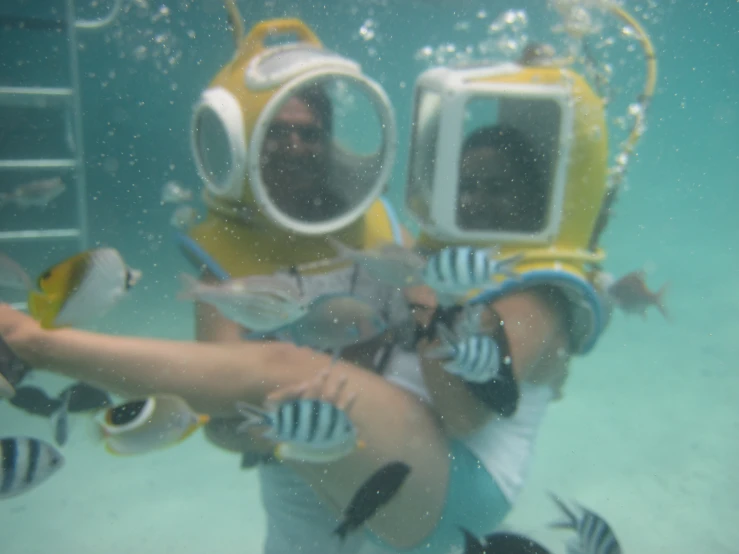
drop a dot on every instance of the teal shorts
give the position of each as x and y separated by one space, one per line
473 501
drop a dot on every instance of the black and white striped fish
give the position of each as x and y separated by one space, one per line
474 358
304 429
25 463
594 535
470 353
456 270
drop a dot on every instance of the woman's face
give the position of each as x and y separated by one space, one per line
493 192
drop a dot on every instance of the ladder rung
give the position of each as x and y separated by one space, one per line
35 234
37 164
40 97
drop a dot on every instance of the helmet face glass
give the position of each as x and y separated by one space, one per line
322 152
294 160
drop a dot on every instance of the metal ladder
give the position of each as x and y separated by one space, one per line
66 98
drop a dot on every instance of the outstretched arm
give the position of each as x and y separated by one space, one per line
210 376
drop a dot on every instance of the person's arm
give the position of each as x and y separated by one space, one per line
538 342
211 377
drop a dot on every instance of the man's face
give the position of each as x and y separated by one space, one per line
493 193
295 149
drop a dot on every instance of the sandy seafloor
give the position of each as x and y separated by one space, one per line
646 434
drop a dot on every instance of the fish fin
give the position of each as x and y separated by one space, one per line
342 250
253 417
445 299
189 285
574 546
95 431
200 420
472 544
659 301
571 517
110 450
506 265
447 349
41 308
344 528
60 418
471 323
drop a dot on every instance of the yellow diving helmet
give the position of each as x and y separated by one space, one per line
347 133
543 188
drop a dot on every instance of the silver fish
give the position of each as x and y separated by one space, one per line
305 429
390 263
37 194
25 463
174 193
60 418
456 270
594 535
333 322
13 276
259 303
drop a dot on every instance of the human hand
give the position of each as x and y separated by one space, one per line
21 332
328 386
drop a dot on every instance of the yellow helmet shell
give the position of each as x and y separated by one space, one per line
579 175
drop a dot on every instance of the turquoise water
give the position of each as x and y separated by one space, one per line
645 434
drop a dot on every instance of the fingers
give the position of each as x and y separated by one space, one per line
286 393
328 386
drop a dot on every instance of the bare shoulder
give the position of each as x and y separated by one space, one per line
536 325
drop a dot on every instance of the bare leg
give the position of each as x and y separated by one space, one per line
396 427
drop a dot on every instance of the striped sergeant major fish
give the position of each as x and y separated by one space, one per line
308 430
594 535
471 353
455 270
25 463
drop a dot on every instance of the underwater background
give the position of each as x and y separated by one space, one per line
646 434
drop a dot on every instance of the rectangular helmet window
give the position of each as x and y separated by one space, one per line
506 164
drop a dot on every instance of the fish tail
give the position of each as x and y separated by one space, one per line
343 529
95 431
253 417
472 544
506 265
659 300
189 287
571 522
447 350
